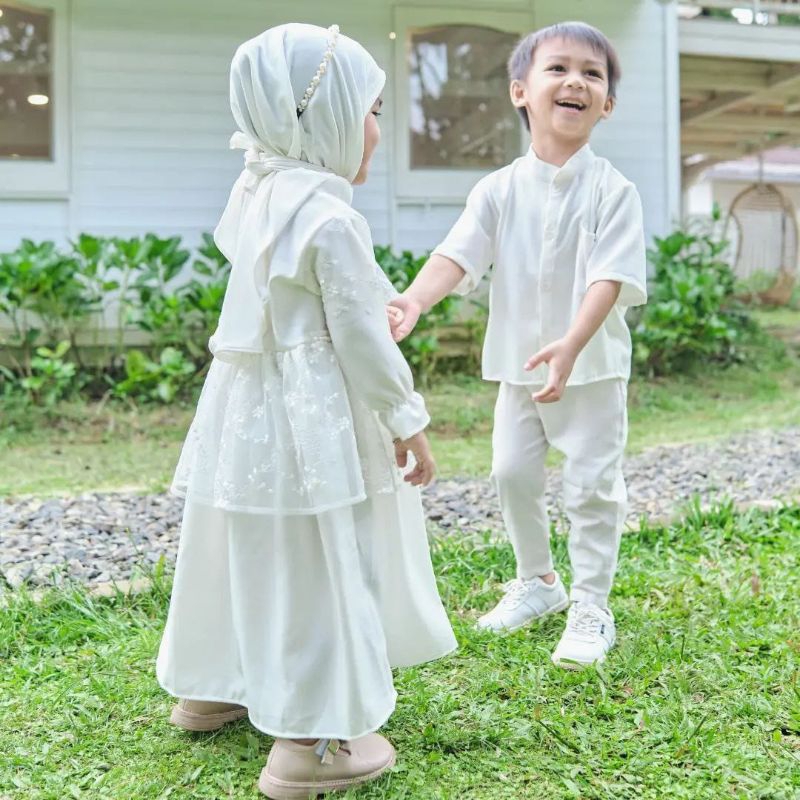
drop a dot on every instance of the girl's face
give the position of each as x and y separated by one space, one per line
372 135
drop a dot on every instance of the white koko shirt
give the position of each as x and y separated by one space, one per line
549 233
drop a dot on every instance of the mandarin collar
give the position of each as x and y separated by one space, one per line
576 163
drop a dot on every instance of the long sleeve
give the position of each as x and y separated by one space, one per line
470 242
353 291
619 250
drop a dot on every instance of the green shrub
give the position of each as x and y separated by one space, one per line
175 296
692 316
43 295
153 302
51 378
161 381
49 294
181 316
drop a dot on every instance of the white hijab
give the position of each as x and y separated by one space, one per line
289 160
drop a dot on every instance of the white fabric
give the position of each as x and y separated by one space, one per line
303 571
550 233
306 425
291 162
589 426
307 387
300 619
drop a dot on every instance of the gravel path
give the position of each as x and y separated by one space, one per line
102 538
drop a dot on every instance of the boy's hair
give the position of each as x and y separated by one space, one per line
521 60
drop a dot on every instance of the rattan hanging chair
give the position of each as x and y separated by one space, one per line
762 229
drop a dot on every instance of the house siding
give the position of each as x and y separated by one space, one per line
150 119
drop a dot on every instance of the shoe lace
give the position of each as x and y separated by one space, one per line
515 592
585 620
326 749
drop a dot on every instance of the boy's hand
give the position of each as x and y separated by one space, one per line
403 315
425 467
560 358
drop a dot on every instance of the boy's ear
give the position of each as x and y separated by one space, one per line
609 106
517 92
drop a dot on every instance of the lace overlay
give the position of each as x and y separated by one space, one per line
341 289
279 433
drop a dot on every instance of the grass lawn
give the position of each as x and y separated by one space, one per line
81 448
701 698
781 319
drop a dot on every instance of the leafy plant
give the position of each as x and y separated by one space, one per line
692 316
52 377
96 260
179 315
154 304
42 295
161 381
48 294
159 263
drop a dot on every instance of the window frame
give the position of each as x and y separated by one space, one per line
438 184
47 179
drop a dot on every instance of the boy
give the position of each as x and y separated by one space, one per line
563 231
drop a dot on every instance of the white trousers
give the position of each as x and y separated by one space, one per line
589 425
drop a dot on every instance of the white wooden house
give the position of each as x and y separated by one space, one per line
122 123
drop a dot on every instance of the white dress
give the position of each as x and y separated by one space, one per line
303 570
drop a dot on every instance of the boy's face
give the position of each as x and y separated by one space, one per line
565 91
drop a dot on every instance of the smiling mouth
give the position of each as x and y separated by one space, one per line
576 105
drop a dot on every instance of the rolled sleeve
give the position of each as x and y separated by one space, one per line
354 291
619 250
470 242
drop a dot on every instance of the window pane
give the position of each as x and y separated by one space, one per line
26 104
461 116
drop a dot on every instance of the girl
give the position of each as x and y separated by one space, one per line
303 573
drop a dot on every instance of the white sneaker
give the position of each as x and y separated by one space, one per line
524 601
589 635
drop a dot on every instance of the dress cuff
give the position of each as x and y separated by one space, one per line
406 419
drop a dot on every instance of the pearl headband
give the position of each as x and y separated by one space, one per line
321 70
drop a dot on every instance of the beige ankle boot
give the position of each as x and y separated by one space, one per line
203 715
297 771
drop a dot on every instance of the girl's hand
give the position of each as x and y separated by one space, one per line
560 358
425 467
403 315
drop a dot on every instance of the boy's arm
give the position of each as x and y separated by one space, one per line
560 355
435 281
457 264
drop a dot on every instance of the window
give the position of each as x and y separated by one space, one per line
33 98
25 83
460 114
455 119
